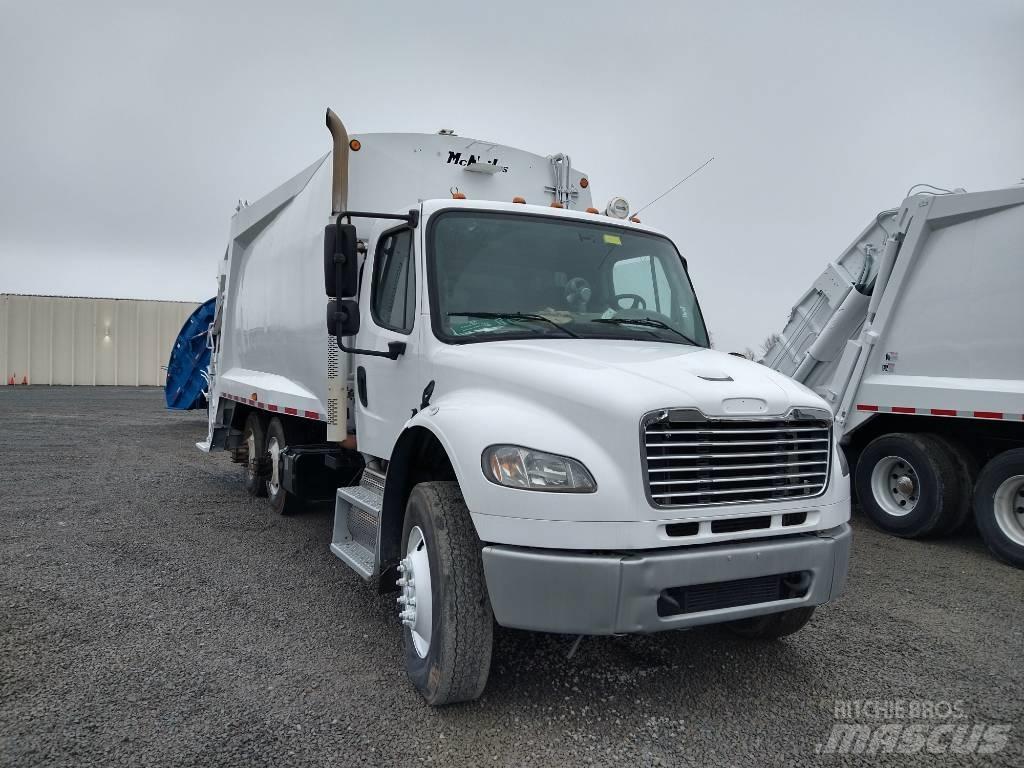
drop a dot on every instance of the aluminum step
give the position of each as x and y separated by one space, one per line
356 522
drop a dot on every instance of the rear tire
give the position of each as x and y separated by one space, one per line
911 485
253 447
278 438
967 464
999 506
448 658
773 626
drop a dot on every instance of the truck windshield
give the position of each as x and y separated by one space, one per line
504 275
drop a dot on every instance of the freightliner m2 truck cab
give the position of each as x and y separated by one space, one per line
509 400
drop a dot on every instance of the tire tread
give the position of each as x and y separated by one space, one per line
469 634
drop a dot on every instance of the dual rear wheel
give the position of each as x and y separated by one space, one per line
918 485
914 485
263 442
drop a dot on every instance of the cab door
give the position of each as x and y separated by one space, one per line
387 390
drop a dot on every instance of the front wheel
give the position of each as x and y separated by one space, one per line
446 614
999 506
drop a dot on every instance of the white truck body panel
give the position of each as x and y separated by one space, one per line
942 333
273 340
392 170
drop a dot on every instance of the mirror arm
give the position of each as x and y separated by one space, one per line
395 350
412 218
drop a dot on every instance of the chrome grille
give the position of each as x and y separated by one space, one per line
691 460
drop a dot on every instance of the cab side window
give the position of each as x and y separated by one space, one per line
393 297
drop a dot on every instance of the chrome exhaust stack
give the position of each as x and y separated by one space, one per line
339 184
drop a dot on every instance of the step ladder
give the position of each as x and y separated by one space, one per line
356 522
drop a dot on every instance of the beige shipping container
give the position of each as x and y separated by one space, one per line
83 341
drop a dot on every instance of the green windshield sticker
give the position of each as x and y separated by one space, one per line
481 325
613 240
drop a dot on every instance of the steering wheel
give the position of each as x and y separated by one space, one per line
639 302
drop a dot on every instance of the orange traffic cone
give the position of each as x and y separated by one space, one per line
24 380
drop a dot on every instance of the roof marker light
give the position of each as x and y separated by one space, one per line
456 195
557 204
355 145
518 199
584 183
635 219
592 210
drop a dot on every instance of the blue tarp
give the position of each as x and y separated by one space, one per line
190 357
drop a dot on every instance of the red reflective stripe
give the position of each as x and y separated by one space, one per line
987 415
943 412
867 407
274 408
903 409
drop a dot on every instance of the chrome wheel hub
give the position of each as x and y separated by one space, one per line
895 486
1008 505
414 604
250 461
274 483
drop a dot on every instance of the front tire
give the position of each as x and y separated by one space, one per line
999 506
447 621
911 485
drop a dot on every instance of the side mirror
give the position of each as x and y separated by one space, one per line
342 317
341 260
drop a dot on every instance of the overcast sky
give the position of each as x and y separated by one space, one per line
129 130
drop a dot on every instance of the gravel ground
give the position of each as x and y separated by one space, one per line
152 614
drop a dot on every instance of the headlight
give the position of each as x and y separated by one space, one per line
518 467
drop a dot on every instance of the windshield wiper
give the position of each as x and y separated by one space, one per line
650 322
516 316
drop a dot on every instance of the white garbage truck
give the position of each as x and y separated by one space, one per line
510 400
914 336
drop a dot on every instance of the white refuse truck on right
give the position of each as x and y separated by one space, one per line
915 338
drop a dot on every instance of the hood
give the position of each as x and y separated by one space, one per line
613 375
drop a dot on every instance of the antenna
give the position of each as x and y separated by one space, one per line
694 172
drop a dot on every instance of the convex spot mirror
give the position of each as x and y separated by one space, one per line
342 317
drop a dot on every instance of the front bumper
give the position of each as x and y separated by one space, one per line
603 594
